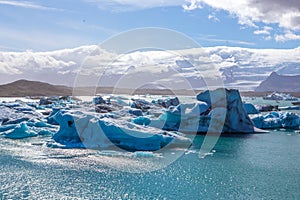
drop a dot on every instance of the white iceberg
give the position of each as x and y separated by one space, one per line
83 130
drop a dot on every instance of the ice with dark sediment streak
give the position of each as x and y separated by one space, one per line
219 110
236 117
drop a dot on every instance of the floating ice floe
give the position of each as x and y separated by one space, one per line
267 108
20 131
280 97
289 108
273 120
16 112
83 130
98 100
20 120
166 103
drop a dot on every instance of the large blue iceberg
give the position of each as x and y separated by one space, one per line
219 110
78 129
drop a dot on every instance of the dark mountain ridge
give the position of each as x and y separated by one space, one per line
280 83
22 88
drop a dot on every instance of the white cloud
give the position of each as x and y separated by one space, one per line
268 38
243 68
192 6
239 42
213 17
287 37
128 5
265 31
27 4
252 13
249 12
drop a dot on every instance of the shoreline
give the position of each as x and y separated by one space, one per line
86 91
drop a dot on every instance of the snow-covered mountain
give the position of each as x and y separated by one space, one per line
240 68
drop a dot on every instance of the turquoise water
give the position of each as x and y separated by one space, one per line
260 166
257 166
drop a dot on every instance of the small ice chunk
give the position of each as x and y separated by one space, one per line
20 131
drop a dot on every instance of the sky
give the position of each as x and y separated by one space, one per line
56 41
47 25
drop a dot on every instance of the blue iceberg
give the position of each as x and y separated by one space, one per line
219 110
84 130
273 120
250 108
20 131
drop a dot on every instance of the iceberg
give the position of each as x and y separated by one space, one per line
274 120
19 132
250 108
104 108
219 110
267 108
183 117
140 104
16 112
136 112
136 124
56 100
51 119
141 120
166 103
290 120
280 97
7 127
212 108
98 100
45 132
78 129
289 108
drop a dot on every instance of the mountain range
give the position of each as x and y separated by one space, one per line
280 83
242 68
22 88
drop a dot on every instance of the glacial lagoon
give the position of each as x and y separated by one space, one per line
240 166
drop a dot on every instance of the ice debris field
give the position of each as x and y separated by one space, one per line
136 123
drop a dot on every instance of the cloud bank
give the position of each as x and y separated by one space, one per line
241 68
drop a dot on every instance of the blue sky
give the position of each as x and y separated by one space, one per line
44 25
